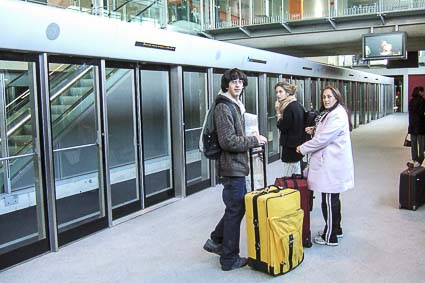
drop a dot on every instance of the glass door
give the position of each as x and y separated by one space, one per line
80 200
273 131
250 97
195 109
156 131
23 231
122 138
299 82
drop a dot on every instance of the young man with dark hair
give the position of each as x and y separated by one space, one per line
232 166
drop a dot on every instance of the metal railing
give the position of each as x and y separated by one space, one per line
153 11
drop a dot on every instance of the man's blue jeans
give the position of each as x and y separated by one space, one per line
228 229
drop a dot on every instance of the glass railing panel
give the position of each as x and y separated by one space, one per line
84 6
142 11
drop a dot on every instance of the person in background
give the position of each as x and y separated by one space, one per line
290 122
232 166
331 168
417 125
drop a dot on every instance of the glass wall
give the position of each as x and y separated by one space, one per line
121 109
74 126
250 97
195 109
22 211
156 135
216 83
272 130
300 91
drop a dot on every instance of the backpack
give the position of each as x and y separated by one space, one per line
208 141
309 117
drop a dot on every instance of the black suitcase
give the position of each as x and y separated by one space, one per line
412 188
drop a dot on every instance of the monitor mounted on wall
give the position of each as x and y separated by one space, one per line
378 46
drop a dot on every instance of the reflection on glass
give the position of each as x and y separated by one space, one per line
22 215
74 128
300 91
216 84
272 130
156 131
195 108
122 160
250 94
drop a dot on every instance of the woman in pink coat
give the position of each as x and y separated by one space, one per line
331 169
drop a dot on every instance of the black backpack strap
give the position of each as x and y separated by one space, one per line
230 105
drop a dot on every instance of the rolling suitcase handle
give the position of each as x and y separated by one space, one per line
258 150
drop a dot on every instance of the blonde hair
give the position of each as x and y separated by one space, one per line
289 88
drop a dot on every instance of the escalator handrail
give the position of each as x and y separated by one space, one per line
28 90
53 97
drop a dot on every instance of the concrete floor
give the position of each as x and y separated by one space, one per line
381 243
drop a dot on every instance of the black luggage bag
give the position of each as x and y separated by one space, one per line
412 188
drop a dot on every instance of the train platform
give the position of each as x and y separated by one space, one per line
381 242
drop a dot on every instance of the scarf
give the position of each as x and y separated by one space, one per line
285 102
322 115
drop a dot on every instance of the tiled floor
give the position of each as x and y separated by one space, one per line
381 243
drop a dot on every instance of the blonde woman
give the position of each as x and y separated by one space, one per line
290 122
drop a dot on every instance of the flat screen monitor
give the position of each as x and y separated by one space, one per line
378 46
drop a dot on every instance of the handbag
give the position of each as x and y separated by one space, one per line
407 141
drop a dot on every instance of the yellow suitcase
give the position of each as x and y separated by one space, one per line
274 221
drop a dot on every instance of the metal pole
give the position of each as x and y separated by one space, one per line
3 135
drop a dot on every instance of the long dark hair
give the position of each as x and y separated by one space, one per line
417 90
340 100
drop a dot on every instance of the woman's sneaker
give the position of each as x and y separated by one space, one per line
321 241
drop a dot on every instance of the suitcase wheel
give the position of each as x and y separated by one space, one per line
307 244
414 207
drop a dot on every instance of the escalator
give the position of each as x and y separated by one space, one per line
71 88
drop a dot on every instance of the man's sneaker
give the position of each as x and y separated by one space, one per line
240 262
416 164
212 247
319 240
340 235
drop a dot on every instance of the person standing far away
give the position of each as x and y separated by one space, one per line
232 166
290 122
331 168
417 125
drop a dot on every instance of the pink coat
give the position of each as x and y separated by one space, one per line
331 168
